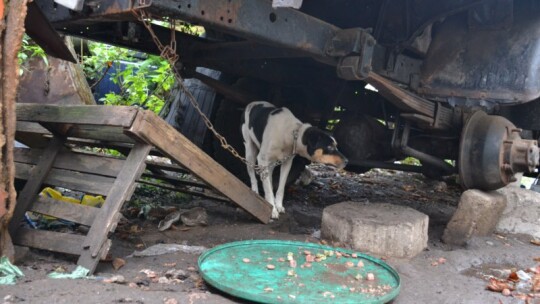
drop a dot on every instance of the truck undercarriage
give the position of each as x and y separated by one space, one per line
436 80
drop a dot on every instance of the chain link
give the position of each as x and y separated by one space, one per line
168 52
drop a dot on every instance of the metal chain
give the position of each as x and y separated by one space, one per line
168 52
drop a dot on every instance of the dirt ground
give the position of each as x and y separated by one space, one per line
440 274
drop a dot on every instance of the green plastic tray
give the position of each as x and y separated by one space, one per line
241 269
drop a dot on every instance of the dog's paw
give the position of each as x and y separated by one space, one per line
280 209
275 213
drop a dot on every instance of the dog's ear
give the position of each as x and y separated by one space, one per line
310 139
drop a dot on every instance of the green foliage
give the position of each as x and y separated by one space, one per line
28 50
411 161
144 82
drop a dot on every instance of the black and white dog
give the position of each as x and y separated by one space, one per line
274 134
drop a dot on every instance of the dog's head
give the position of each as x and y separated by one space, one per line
322 148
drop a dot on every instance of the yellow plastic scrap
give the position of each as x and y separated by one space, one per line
93 201
87 200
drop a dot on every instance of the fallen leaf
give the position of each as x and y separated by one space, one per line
149 273
536 283
170 301
408 187
498 285
173 264
118 263
135 229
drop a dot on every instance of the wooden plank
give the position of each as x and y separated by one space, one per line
82 162
31 127
87 183
167 167
77 213
96 132
77 114
49 240
32 134
94 164
33 185
67 243
150 128
122 188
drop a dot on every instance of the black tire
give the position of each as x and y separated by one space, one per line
183 116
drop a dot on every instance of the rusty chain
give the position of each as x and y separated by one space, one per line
168 52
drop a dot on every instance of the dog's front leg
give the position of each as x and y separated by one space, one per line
251 156
268 191
284 172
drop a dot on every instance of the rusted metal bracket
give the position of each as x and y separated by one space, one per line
355 47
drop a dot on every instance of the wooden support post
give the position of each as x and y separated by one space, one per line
33 184
150 128
107 218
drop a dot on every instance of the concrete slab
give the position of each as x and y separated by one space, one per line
522 212
381 229
477 214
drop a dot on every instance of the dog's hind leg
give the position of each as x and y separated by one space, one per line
268 191
284 172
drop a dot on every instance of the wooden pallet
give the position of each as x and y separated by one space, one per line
54 132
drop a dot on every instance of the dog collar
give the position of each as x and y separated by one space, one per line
295 138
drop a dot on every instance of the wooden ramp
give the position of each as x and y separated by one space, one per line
54 132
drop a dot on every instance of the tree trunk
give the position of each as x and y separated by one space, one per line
11 32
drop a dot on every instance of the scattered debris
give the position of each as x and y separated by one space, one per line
535 242
370 277
79 273
246 260
270 267
195 217
177 274
170 301
118 263
149 273
170 219
8 272
12 299
119 279
160 249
